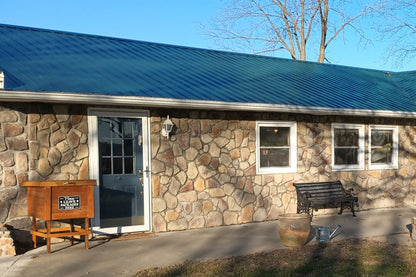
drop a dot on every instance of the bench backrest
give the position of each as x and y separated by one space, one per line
321 189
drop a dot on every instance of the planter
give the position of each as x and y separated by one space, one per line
294 229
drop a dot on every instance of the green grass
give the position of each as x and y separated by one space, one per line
350 257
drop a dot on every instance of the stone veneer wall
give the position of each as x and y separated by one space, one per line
7 247
38 142
205 174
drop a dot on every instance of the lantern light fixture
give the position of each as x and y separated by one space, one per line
167 127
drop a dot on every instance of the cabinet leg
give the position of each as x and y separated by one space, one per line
48 237
86 237
33 230
72 230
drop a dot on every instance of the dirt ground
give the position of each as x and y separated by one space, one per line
350 257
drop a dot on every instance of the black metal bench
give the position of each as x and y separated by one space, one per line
313 196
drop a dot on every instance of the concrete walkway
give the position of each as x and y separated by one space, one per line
126 257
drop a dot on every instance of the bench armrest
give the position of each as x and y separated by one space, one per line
305 195
348 192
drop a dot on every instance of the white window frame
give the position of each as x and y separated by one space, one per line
395 148
293 162
361 146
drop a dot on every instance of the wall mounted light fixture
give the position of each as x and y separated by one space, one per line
1 80
167 127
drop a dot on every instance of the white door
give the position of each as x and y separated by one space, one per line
119 155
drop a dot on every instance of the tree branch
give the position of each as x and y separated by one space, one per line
292 25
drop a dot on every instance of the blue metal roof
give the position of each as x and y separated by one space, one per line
42 60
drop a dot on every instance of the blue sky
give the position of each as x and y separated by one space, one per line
176 22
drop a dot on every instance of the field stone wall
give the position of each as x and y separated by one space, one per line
204 175
7 247
38 142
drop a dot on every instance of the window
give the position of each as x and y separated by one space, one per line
276 147
383 143
116 142
348 147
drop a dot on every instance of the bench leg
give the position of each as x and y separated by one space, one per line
310 212
353 209
351 206
341 209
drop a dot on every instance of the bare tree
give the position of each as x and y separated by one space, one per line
400 30
295 26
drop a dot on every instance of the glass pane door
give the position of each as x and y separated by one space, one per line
121 168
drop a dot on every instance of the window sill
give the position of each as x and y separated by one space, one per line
383 167
276 170
347 168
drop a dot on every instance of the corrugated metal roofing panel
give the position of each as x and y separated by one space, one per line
42 60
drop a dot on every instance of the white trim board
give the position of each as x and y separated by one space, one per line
157 102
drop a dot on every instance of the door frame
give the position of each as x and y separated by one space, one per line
93 114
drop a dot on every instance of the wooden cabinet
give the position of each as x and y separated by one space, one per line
59 200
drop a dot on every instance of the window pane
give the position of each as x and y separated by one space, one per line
116 125
274 157
128 148
128 129
117 147
105 147
381 155
106 165
117 166
346 156
104 127
274 136
128 165
381 138
346 137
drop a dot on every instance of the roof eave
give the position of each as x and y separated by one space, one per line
156 102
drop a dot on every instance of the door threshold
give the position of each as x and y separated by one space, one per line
125 236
